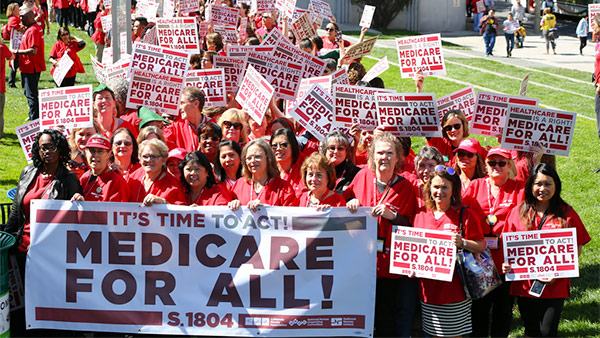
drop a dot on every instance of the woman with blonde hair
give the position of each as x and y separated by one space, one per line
318 176
79 136
150 132
234 125
455 128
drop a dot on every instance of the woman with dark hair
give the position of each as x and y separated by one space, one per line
124 152
543 209
425 161
260 184
199 183
228 169
446 310
207 60
468 162
393 203
318 176
281 123
338 151
286 150
209 135
455 128
70 45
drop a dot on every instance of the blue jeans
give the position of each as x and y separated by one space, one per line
510 42
30 85
490 41
476 18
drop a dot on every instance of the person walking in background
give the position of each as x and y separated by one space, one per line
478 11
518 12
14 22
582 33
510 26
547 24
66 43
488 26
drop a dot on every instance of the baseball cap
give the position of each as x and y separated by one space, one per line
98 141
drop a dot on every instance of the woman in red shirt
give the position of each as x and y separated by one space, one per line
543 209
455 128
99 35
287 151
124 153
70 45
394 203
446 309
494 197
260 184
14 22
229 166
318 177
199 183
427 159
100 183
468 162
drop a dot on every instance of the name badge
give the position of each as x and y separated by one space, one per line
491 241
380 245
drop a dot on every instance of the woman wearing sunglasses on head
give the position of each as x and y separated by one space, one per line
394 203
543 209
338 151
445 307
455 128
234 126
469 161
495 196
286 150
100 183
124 152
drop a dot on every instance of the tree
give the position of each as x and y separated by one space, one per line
385 12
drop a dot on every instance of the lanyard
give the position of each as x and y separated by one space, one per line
543 219
490 196
252 190
385 192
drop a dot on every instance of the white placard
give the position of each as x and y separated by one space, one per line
15 39
367 16
463 100
283 75
409 115
255 94
68 107
178 33
234 68
26 134
62 68
378 69
212 83
314 112
490 112
422 52
355 104
523 87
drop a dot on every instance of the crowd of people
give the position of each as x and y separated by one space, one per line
221 156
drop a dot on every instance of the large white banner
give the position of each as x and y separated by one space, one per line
166 269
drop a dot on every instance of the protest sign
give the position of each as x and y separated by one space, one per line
528 127
243 29
106 22
263 6
340 77
422 52
26 134
189 6
286 7
98 69
93 3
68 107
229 33
269 273
118 69
312 66
283 75
223 15
303 27
159 60
242 51
15 39
541 254
147 9
298 12
463 100
489 116
513 25
423 253
314 112
480 5
255 94
367 16
62 67
106 3
234 69
321 8
203 29
380 67
355 104
360 49
409 114
305 85
178 33
212 83
593 10
168 8
157 91
523 88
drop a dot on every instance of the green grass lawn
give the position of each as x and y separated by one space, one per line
580 187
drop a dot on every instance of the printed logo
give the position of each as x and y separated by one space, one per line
297 322
336 321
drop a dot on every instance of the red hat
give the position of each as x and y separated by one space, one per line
98 141
178 153
471 145
500 152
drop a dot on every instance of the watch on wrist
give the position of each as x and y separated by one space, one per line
464 243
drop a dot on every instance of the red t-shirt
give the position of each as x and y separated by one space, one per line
98 36
327 44
214 195
132 168
107 187
361 158
122 124
399 198
166 186
37 190
29 64
441 292
130 115
331 198
294 177
59 49
277 192
5 54
597 63
560 287
444 146
478 196
180 134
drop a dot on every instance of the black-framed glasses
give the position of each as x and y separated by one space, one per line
234 125
449 127
330 29
442 168
501 164
282 145
465 154
76 165
65 34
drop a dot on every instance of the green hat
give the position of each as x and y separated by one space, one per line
147 115
102 87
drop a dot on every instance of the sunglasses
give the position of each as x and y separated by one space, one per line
465 154
75 165
330 29
210 138
48 147
65 34
442 168
282 145
125 143
236 125
334 148
501 164
456 126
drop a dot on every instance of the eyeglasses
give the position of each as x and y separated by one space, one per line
236 125
150 157
65 34
456 126
334 148
442 168
209 138
282 145
501 164
465 154
330 29
75 165
48 147
267 17
125 143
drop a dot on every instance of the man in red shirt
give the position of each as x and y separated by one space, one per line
183 133
31 59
